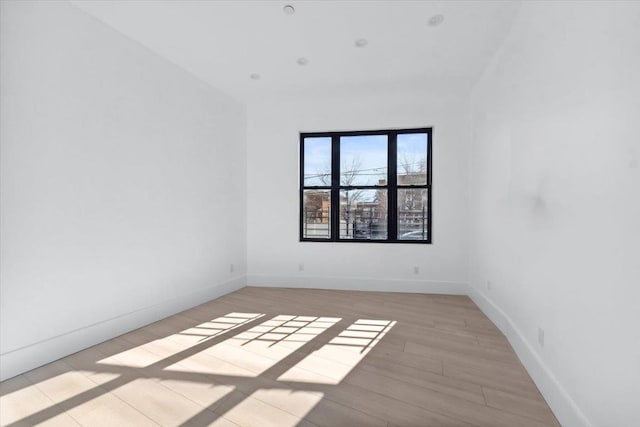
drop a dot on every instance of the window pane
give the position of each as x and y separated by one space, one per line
412 214
317 161
316 214
363 160
363 214
412 159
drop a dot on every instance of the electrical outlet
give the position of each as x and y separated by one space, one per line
416 270
541 337
301 266
231 268
488 285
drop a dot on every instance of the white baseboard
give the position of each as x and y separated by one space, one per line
17 361
563 406
358 284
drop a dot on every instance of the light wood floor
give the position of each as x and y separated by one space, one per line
284 357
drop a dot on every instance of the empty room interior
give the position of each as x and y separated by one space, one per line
320 213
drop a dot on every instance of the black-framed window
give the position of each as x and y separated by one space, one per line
366 186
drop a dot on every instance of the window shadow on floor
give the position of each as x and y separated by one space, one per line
233 363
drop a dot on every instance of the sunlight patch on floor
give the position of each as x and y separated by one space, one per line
209 367
296 402
251 410
149 353
332 362
273 340
215 327
182 371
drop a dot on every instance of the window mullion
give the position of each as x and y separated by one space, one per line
301 188
392 192
429 183
335 187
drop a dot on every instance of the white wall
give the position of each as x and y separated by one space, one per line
123 185
556 203
273 200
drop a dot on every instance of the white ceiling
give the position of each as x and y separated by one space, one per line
224 42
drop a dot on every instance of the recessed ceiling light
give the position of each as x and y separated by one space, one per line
289 10
361 42
436 20
255 76
302 61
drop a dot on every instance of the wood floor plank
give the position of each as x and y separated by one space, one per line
21 399
532 407
442 350
291 357
439 383
160 403
246 410
384 407
494 376
85 401
454 407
